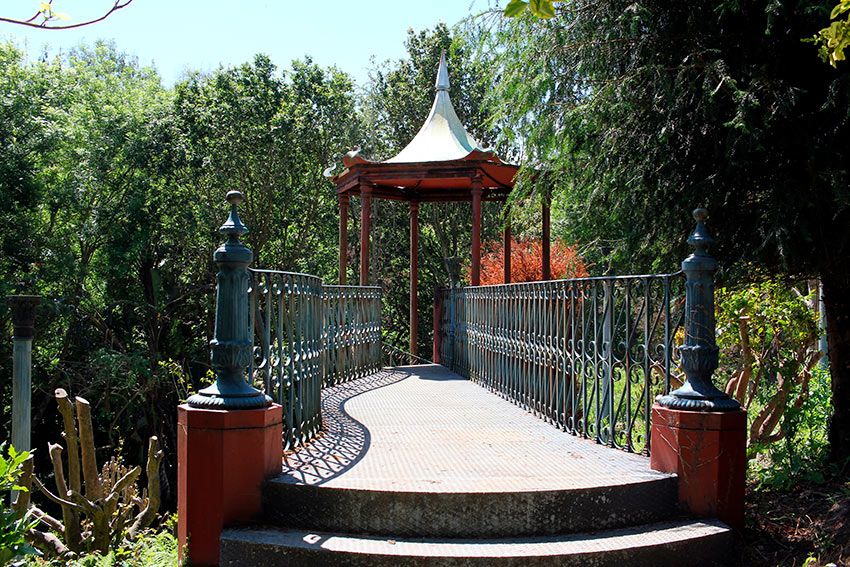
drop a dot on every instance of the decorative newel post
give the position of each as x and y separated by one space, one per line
699 352
230 349
23 309
698 431
230 435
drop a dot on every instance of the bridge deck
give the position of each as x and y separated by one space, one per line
426 429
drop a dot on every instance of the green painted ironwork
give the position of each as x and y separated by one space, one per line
590 355
351 332
230 348
699 351
306 336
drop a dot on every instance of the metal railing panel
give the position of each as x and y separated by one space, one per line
306 336
589 355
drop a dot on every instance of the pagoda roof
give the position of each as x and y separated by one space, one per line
441 156
442 137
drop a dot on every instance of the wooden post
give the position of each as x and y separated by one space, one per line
438 316
365 230
547 264
22 309
343 238
476 231
414 276
507 244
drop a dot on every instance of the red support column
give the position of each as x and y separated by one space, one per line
223 457
476 231
438 314
343 238
414 276
365 230
547 263
507 245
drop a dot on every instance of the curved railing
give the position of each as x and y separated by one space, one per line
351 332
308 335
590 354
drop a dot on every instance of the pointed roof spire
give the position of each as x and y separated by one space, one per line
442 83
442 136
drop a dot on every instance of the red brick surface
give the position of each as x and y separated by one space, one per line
223 459
707 450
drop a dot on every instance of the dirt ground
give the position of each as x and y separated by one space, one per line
807 526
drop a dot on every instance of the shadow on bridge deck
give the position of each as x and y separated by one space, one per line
427 429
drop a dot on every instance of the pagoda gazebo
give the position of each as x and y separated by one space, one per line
442 163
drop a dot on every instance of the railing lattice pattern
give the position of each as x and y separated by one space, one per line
590 355
308 335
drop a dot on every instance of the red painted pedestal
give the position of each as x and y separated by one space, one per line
223 457
708 451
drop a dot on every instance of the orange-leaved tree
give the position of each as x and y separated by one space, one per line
527 261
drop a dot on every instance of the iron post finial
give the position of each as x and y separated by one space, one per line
699 353
22 309
233 226
701 237
230 348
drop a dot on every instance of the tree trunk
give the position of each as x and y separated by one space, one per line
836 298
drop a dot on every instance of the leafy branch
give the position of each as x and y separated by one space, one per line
46 15
541 8
833 40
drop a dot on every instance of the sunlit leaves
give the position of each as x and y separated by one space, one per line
833 40
515 8
541 8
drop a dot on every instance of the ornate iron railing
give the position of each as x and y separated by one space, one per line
590 355
351 332
307 335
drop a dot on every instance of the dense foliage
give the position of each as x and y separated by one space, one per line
638 112
770 362
13 526
527 261
115 188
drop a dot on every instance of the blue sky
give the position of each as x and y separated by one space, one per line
177 36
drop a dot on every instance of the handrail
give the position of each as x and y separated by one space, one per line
307 336
588 354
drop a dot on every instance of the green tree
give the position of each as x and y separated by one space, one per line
640 112
271 135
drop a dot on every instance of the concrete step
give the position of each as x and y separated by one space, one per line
466 514
694 544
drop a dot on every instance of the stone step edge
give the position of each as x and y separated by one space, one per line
469 514
286 480
610 541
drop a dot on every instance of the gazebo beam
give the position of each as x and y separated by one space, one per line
414 276
343 238
365 230
476 231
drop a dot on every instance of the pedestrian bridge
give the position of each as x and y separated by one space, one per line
546 431
418 465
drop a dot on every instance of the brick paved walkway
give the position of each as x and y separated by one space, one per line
426 429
